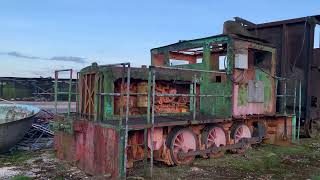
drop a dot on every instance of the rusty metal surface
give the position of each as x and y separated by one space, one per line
93 148
255 91
142 73
264 71
87 93
163 105
315 90
294 41
277 131
138 123
241 144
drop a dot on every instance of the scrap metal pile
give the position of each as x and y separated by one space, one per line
40 135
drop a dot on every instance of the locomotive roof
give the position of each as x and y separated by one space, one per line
217 38
141 73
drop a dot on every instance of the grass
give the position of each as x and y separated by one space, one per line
19 177
285 150
263 163
265 158
269 158
315 178
16 157
278 161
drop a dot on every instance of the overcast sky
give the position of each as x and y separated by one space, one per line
37 37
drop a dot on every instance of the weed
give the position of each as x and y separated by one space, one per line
16 157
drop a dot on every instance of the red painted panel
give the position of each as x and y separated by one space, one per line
93 148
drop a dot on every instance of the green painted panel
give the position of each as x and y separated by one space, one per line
108 87
243 95
215 106
191 44
198 66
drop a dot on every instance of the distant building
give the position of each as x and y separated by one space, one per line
32 89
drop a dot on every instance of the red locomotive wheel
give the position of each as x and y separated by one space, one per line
241 131
214 136
182 140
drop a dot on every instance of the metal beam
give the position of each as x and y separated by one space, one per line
241 144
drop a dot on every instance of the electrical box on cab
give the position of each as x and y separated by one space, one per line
241 61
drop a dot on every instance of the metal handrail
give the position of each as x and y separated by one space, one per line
165 95
56 92
296 126
187 69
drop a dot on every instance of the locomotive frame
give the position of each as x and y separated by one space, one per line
228 109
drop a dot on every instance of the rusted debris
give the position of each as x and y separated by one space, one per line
39 135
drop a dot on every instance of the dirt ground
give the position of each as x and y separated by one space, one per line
260 162
40 165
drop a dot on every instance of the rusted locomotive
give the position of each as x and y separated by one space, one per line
199 97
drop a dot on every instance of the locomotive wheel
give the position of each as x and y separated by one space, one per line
313 128
182 140
238 132
214 136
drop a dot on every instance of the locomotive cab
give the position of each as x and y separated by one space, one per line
241 73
